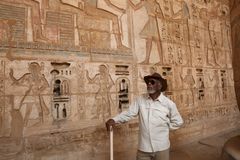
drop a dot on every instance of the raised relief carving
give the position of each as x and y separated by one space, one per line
214 86
150 32
96 26
182 17
198 47
226 46
17 123
33 11
35 83
13 22
81 90
189 84
170 60
103 100
212 56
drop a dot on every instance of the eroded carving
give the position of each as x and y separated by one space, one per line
35 83
103 100
189 82
150 32
182 16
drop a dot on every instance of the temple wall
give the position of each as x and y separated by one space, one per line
66 66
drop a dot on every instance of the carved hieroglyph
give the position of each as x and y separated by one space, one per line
66 66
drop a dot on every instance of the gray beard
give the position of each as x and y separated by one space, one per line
151 91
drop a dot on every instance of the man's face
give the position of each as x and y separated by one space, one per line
153 85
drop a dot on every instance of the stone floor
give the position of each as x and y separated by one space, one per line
205 149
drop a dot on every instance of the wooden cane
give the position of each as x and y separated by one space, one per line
111 143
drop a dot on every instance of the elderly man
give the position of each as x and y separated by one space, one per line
157 115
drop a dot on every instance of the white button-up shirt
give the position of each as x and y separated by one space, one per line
156 118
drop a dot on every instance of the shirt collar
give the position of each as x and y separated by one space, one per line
160 97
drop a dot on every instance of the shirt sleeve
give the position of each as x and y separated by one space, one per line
129 114
175 118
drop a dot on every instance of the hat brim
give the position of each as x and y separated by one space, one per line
163 81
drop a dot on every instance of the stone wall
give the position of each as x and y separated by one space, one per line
66 66
235 26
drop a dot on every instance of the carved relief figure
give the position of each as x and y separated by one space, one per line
36 83
207 15
225 33
103 98
183 17
215 86
81 86
150 32
17 123
39 23
90 8
190 82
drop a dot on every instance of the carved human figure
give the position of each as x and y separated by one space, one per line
190 82
17 125
103 98
38 18
91 8
183 16
36 83
42 6
150 31
225 32
215 86
207 15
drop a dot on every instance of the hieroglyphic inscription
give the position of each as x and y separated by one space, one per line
224 84
186 41
63 26
61 91
200 84
12 13
205 114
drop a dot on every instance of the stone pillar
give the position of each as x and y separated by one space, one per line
235 26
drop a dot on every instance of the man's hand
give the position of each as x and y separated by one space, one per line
109 123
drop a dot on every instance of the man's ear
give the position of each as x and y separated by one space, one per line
159 84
